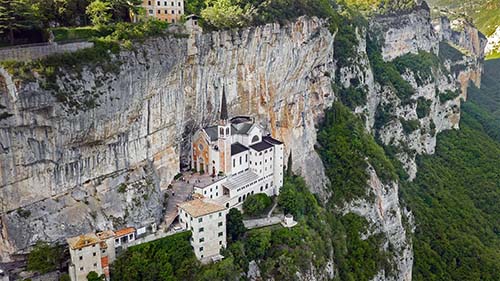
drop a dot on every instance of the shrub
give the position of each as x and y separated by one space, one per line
45 258
23 213
353 97
122 188
64 277
386 73
257 204
346 149
423 107
234 225
448 95
409 125
294 199
169 258
76 33
422 65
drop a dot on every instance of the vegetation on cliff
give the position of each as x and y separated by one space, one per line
456 193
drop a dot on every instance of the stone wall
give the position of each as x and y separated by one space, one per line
36 51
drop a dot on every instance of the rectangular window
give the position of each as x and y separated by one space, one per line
179 4
81 268
201 229
158 3
202 240
246 158
220 242
220 234
220 224
240 160
159 11
149 3
220 214
95 264
173 12
165 3
234 163
94 254
81 258
201 249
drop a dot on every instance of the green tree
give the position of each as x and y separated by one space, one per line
258 243
234 226
226 14
257 204
44 258
93 276
16 15
289 171
64 277
99 12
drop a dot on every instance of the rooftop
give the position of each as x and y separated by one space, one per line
200 207
105 234
82 241
124 231
240 180
241 128
237 148
260 146
272 140
202 181
212 132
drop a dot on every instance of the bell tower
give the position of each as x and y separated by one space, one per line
224 133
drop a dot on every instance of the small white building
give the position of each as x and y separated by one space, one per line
124 236
207 222
91 252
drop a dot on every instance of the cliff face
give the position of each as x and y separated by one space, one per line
142 125
65 172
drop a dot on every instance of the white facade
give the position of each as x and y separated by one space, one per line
207 222
255 162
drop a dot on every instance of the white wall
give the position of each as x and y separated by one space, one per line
239 162
278 168
213 236
90 261
212 191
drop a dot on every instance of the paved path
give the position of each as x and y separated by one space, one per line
272 209
180 192
256 223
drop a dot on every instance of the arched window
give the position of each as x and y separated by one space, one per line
200 146
221 132
227 131
255 139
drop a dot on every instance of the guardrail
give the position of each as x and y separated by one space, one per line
35 51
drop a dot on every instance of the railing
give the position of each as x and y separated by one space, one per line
40 50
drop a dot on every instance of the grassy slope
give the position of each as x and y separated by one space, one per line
485 13
455 197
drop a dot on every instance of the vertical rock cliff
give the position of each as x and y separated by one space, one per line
65 171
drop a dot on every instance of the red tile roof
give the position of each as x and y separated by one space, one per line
124 231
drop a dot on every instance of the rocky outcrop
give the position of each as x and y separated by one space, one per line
493 45
145 116
65 171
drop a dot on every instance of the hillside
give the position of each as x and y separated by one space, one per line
92 139
484 13
456 193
